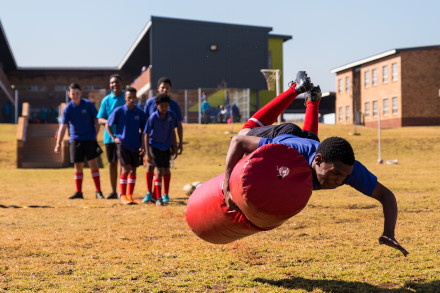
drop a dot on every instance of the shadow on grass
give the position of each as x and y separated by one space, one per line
24 207
342 286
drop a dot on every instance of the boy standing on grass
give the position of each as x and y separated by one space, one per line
129 121
80 114
160 135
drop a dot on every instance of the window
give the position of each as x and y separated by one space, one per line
374 72
394 101
374 108
385 107
347 113
340 85
367 110
394 71
367 78
340 113
36 88
385 74
60 88
347 84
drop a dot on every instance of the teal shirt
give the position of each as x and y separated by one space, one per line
108 105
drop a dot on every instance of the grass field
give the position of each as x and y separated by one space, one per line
50 244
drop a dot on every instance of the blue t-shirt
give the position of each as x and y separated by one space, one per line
108 105
128 123
150 108
360 178
161 130
205 106
81 120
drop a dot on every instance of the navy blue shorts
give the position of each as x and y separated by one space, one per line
80 149
272 131
127 157
161 158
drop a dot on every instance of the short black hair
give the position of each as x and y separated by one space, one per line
335 149
74 86
164 80
116 75
131 89
162 98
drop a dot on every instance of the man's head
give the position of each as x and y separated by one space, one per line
130 97
162 103
333 162
164 85
75 93
116 84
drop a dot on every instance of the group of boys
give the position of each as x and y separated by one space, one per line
130 134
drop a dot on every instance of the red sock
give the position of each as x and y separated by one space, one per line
123 184
78 181
311 119
96 179
149 178
270 112
158 187
131 183
166 182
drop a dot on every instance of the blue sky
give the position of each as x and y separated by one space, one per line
326 34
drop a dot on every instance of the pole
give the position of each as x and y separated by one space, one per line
200 106
379 160
277 78
67 97
186 106
16 106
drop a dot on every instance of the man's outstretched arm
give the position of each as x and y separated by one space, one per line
389 204
240 145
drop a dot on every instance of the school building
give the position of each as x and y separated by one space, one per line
193 54
401 87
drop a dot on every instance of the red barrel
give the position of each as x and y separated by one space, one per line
270 185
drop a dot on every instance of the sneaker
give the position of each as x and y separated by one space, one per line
159 202
165 198
314 95
125 200
77 195
113 195
147 197
99 195
302 83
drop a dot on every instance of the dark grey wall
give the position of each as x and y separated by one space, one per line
180 49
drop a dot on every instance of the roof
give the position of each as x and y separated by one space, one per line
380 56
283 37
6 56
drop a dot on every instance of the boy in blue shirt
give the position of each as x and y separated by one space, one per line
110 102
163 87
80 114
332 162
128 121
160 139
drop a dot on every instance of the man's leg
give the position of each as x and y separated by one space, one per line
93 164
311 119
270 112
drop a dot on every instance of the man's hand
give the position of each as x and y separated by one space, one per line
229 203
117 140
390 241
57 148
180 148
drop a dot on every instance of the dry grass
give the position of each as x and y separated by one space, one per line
331 246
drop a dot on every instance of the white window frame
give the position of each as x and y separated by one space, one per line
394 103
375 109
394 71
347 84
385 74
347 113
385 107
340 85
340 114
374 77
367 78
367 109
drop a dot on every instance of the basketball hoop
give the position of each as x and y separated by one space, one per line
271 76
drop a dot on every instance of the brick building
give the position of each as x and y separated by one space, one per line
400 85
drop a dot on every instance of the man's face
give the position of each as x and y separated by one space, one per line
75 95
164 88
116 85
130 99
331 174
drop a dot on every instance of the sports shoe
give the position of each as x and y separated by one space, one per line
159 202
165 198
99 195
125 200
147 197
302 83
113 195
314 95
77 195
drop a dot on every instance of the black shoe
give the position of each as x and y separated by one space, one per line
159 202
99 195
302 83
77 195
314 95
112 195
